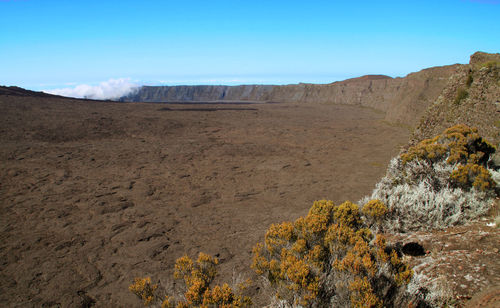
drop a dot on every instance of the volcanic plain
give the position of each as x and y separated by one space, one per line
93 194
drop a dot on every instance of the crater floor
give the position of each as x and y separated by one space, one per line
93 194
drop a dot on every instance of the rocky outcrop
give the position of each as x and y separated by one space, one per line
480 58
403 99
459 263
471 96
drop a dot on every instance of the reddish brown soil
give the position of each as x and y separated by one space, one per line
462 261
93 194
489 298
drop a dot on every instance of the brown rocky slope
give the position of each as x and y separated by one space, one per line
460 265
471 96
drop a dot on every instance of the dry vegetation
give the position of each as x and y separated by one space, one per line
328 258
196 277
439 182
331 258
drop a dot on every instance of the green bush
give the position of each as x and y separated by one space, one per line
469 80
460 96
490 64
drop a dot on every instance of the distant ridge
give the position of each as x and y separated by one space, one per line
403 100
364 78
17 91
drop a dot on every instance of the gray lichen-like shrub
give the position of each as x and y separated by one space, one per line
438 183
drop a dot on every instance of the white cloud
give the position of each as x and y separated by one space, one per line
111 89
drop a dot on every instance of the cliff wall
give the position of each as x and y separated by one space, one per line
402 99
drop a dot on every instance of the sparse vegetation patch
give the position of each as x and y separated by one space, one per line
470 79
197 277
461 95
490 65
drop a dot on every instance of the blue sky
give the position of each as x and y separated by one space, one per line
53 44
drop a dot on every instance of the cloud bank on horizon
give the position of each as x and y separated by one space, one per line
110 89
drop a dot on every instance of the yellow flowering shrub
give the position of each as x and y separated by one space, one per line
279 235
347 214
197 277
168 302
329 253
428 149
458 144
473 175
143 288
362 294
375 209
374 212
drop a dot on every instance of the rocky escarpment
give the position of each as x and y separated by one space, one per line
471 96
402 99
